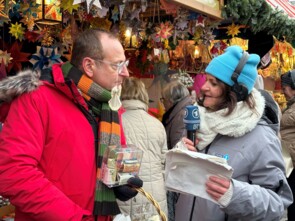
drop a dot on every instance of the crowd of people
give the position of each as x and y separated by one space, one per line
59 122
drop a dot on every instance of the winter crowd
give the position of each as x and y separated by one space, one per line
57 123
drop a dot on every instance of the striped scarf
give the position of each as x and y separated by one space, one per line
108 133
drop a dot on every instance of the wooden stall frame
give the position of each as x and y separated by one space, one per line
197 5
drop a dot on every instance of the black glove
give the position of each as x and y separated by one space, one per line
126 192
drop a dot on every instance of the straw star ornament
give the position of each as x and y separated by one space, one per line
233 30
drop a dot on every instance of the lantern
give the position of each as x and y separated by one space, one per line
50 12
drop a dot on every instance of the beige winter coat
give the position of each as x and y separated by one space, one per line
148 133
288 128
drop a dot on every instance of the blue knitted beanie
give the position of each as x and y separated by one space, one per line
223 66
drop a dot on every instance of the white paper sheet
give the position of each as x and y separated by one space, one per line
187 171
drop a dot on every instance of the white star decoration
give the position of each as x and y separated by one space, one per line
89 3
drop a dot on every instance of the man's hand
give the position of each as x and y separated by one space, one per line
126 192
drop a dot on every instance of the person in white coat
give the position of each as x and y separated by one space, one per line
146 132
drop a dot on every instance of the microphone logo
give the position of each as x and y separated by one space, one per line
191 118
196 113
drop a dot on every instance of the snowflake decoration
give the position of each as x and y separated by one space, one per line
45 57
17 31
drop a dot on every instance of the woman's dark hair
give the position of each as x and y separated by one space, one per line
230 99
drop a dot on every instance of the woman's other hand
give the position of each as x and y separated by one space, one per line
216 186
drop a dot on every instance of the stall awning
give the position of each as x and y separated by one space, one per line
283 5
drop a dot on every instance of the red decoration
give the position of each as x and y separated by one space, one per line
18 57
32 36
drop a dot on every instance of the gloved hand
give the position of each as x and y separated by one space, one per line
126 192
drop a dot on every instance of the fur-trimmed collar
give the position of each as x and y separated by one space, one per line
13 86
241 121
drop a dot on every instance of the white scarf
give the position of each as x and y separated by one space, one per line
241 121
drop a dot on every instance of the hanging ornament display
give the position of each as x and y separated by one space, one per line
115 14
218 48
29 21
30 8
233 30
5 57
89 3
17 31
169 7
68 6
17 57
164 31
2 10
45 57
207 36
200 21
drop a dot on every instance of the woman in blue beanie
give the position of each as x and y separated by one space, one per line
233 127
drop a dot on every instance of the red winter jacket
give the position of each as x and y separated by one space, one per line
47 155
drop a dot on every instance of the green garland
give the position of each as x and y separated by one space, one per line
260 16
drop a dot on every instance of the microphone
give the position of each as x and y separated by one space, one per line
192 121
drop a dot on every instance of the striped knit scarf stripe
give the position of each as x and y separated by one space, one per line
108 134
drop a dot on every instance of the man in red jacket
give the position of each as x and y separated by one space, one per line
56 129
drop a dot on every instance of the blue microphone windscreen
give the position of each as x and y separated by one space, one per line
191 118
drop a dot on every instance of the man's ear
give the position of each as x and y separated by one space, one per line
88 66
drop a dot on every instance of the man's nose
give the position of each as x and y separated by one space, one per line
124 72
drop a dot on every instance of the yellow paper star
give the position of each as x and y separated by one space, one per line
233 30
68 6
17 31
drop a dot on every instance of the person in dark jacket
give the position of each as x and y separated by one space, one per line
56 130
175 97
287 129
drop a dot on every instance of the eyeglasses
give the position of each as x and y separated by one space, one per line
118 66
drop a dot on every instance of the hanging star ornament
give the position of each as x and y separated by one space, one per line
181 25
200 21
30 8
45 57
5 57
164 31
233 30
69 6
32 36
17 30
2 10
115 14
29 21
18 57
207 36
89 3
135 14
